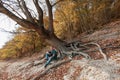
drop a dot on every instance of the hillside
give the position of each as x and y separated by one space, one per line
79 68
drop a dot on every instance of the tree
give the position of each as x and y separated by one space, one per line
78 16
37 23
25 43
31 22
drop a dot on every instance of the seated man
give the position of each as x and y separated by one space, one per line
51 55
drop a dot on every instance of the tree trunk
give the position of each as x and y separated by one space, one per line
57 43
53 40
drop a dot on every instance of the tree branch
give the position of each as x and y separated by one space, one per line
20 6
13 10
0 1
24 23
25 10
40 12
9 14
21 22
17 32
49 6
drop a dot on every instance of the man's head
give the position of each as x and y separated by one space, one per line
52 47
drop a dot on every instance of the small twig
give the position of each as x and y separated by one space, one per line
16 32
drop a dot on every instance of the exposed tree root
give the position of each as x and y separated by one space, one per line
39 62
99 48
75 49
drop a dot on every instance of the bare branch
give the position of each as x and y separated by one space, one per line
13 10
40 12
0 1
16 32
1 4
49 6
25 10
20 6
11 15
24 23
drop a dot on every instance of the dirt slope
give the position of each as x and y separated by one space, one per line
78 69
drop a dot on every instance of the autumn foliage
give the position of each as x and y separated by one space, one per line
25 43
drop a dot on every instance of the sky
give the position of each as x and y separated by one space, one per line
8 25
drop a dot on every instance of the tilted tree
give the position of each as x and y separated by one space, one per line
35 23
11 7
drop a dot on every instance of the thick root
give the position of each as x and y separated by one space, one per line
75 48
100 49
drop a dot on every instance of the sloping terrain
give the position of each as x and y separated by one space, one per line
79 68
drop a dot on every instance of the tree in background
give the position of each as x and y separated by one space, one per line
25 43
77 16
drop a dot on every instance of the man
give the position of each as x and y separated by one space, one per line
51 55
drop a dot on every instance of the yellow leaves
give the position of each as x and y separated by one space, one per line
81 16
7 53
23 44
